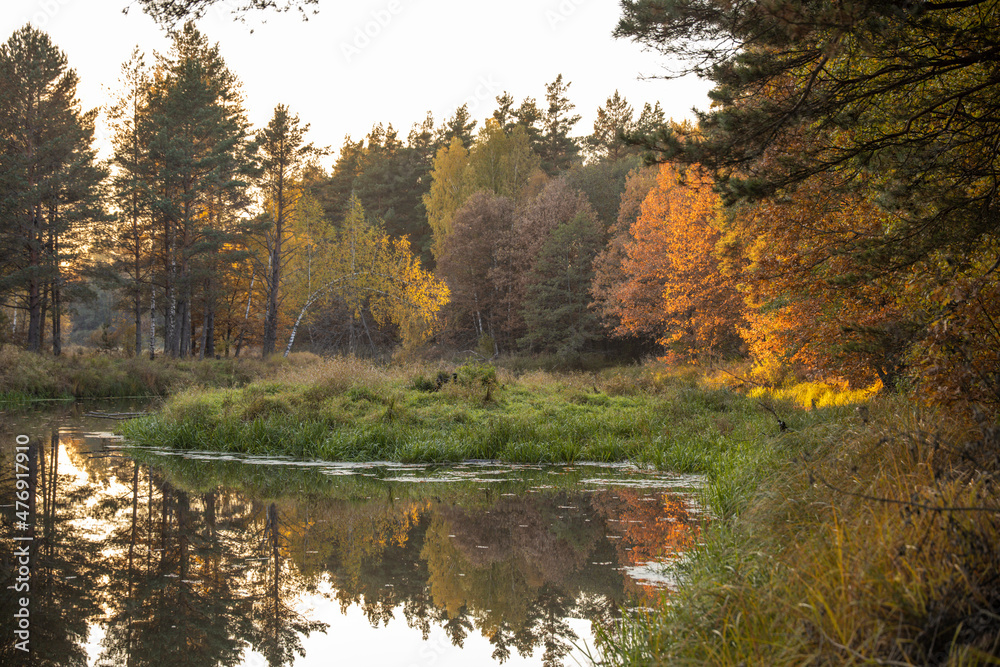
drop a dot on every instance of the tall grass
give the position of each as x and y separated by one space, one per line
835 541
26 376
840 548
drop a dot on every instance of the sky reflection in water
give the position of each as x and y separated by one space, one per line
161 558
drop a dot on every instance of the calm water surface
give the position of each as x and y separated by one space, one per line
155 557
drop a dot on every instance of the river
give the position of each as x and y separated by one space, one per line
153 557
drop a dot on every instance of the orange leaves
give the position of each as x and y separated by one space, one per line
808 303
673 287
797 280
783 277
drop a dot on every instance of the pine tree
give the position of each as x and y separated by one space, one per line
650 120
614 121
389 178
894 96
334 193
283 152
557 149
168 13
128 239
529 116
460 126
504 113
198 152
48 176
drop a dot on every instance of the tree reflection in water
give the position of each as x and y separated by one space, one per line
196 562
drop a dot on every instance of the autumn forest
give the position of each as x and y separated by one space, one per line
213 237
512 234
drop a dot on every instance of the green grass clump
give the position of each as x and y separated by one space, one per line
354 411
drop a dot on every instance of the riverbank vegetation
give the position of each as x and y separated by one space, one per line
27 377
846 527
349 409
871 540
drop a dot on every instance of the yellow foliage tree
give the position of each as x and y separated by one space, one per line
449 190
810 304
360 263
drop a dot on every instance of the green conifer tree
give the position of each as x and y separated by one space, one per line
49 177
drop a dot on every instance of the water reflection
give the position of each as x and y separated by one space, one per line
152 559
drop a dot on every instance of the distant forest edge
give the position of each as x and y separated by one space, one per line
833 215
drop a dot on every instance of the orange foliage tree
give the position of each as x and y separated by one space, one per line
811 301
671 284
608 263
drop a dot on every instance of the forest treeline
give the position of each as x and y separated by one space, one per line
833 213
209 236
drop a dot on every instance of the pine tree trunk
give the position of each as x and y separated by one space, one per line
203 339
184 339
34 315
54 286
56 318
152 322
246 315
271 321
179 331
210 332
170 326
206 343
46 287
137 304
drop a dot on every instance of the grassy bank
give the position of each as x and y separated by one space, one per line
26 377
868 541
349 410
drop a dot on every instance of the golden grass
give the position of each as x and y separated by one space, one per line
817 394
875 543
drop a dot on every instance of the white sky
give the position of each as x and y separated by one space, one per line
367 61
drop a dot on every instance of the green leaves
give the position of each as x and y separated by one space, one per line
557 310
